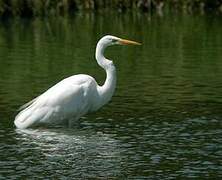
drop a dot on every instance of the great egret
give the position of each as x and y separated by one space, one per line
74 96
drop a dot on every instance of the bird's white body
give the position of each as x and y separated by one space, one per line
71 98
63 103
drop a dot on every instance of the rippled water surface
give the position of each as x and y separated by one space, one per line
164 121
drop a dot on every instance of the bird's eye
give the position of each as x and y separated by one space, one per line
114 40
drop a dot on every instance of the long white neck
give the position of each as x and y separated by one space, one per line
107 89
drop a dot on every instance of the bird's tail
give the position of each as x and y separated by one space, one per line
29 117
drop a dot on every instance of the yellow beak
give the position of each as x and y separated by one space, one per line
128 42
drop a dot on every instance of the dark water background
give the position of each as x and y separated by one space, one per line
164 121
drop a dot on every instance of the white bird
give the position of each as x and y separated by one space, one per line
71 98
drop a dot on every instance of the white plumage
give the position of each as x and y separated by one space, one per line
71 98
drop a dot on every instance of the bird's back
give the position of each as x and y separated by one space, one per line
68 99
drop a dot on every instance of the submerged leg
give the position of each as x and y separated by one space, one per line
74 122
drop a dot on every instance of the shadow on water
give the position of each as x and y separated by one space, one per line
63 153
134 148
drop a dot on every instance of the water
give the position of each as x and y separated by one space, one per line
164 121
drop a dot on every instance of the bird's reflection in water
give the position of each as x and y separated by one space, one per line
77 150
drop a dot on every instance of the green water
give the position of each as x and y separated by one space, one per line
164 121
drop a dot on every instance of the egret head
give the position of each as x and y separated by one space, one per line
106 41
109 40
